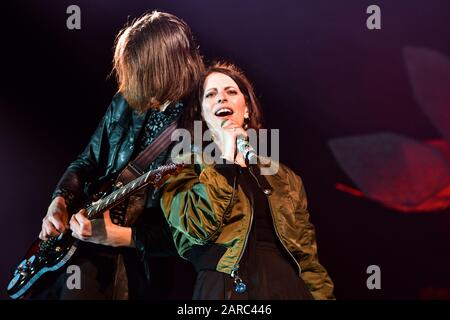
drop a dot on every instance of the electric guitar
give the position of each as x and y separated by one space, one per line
52 254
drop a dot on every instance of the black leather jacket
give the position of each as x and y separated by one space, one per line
111 147
108 151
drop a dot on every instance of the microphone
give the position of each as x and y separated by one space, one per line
246 149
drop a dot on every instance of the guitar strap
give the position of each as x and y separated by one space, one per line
135 204
138 167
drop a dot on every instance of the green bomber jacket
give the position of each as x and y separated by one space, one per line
202 208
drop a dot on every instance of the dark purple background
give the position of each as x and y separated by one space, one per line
319 72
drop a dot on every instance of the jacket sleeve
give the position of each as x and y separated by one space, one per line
87 165
313 273
194 204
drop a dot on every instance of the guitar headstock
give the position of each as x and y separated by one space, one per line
161 174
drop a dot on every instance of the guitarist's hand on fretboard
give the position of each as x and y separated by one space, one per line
100 231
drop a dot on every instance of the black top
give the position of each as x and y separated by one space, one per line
262 228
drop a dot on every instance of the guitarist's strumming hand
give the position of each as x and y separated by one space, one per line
56 219
100 231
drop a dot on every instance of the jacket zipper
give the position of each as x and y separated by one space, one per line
275 226
239 285
236 266
279 238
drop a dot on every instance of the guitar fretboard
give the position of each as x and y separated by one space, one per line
115 197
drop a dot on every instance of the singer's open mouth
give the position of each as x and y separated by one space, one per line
223 112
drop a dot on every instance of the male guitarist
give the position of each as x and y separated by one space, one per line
157 64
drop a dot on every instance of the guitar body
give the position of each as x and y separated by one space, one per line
53 254
42 257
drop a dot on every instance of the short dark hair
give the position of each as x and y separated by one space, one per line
156 60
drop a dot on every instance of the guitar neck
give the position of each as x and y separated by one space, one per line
154 177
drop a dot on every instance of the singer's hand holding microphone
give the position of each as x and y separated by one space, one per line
232 140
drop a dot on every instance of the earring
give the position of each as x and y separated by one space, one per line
246 122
